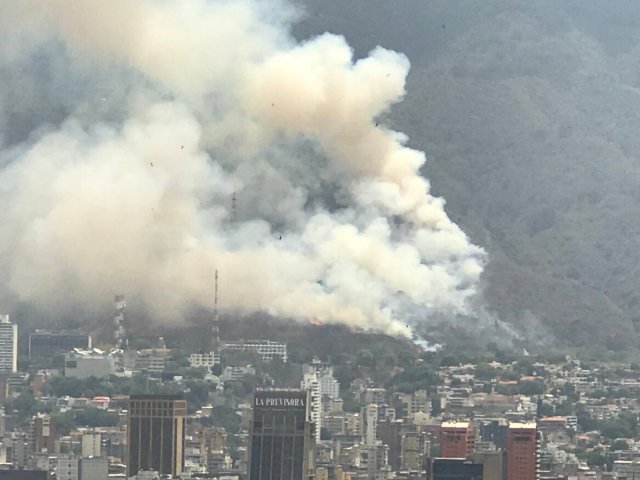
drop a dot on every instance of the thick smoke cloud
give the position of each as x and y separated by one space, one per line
222 144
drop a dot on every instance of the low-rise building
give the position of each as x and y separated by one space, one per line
267 349
151 360
208 359
236 373
80 363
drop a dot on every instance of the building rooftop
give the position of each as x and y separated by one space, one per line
522 426
455 425
553 419
156 397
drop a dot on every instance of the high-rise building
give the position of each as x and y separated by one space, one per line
414 450
21 449
390 434
44 433
8 345
455 469
375 460
92 444
495 431
329 386
156 430
370 424
49 344
494 464
522 451
310 382
68 468
282 436
457 439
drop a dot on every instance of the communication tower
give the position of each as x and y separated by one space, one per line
215 326
120 334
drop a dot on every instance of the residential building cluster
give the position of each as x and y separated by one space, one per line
160 412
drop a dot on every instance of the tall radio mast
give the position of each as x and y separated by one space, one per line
215 327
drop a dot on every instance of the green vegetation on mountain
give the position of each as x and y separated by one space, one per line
528 113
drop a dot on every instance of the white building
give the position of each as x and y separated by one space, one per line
370 427
198 360
81 363
94 468
267 349
329 386
8 345
68 468
92 444
20 450
310 382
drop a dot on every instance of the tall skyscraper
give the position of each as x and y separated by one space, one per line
390 433
282 436
8 345
156 428
457 439
310 382
522 451
369 416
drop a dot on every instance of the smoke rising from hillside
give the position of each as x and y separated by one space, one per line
220 144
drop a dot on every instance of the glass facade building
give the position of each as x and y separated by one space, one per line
48 344
282 436
156 428
455 469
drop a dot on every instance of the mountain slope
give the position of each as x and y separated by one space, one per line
528 114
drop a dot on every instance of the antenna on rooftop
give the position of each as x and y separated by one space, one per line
233 207
215 327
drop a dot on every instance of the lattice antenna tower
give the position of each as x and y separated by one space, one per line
120 334
234 207
215 327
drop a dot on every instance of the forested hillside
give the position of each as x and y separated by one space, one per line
528 113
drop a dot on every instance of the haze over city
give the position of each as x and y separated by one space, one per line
336 240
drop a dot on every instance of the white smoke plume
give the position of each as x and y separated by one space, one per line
221 144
